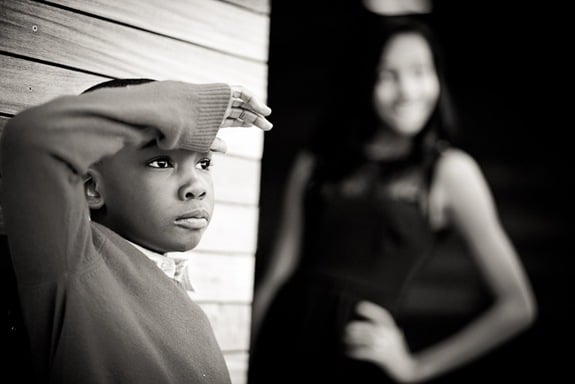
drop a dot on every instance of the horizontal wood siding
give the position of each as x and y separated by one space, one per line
59 47
89 44
218 25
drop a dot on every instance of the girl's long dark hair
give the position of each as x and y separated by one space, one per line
351 120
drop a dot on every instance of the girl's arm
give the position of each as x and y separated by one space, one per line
472 212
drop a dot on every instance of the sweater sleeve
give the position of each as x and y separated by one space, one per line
46 151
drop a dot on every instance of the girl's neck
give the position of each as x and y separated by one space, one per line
388 145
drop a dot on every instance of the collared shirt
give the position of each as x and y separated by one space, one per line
173 264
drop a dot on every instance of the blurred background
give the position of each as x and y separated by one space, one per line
500 62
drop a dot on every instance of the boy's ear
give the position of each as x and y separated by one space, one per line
92 190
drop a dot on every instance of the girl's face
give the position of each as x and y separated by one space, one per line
407 86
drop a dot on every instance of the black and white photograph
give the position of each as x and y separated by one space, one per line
267 191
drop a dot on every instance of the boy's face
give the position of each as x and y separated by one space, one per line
160 199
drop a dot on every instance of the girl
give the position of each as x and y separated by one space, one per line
363 210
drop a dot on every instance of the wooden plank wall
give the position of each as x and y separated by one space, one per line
50 48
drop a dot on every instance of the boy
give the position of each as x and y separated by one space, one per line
95 187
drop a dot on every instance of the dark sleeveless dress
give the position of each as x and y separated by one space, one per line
364 238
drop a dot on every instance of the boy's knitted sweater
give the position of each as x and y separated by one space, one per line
96 309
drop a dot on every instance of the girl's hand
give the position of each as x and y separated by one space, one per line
379 340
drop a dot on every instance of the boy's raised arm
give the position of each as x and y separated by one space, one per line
46 151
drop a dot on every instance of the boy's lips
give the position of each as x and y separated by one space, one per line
196 219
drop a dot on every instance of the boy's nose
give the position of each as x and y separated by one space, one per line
192 190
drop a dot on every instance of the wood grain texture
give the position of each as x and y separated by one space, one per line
26 83
220 277
247 142
231 324
236 180
233 229
237 363
261 6
209 23
105 48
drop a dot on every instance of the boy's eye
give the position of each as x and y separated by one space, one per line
161 163
204 164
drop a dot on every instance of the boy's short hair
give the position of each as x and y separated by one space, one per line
118 83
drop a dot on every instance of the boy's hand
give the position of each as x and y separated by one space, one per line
245 111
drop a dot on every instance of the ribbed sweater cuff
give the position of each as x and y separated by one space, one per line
211 100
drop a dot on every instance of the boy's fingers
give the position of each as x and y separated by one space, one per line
263 123
246 111
240 104
239 92
260 122
243 115
219 146
243 118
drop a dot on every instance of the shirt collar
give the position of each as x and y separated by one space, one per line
173 264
